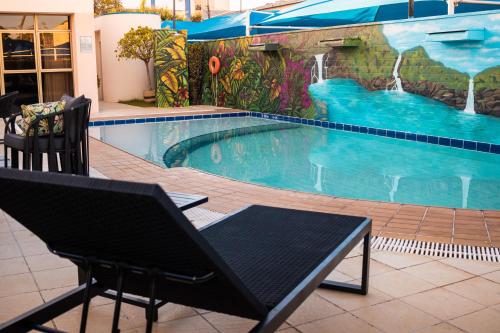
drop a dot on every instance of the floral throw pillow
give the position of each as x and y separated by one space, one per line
29 113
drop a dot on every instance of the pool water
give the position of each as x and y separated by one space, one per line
318 160
350 103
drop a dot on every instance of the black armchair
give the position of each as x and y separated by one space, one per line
66 152
7 107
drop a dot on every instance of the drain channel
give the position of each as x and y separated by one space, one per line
480 253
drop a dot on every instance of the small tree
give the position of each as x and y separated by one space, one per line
137 44
102 7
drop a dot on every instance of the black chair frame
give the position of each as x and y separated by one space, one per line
74 157
7 108
121 275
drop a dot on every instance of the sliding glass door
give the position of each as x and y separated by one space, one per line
36 57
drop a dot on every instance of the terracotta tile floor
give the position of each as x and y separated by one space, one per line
408 293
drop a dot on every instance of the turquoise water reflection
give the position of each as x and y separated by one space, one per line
350 103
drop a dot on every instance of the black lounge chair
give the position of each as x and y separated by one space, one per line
259 263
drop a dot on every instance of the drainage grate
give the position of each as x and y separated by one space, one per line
444 250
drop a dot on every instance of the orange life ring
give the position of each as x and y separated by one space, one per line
214 65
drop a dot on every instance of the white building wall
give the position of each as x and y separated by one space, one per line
82 21
122 79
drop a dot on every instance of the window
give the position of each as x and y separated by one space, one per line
36 57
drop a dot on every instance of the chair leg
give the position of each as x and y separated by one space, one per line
5 156
14 158
152 305
86 300
352 288
118 302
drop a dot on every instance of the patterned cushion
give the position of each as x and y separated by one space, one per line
29 113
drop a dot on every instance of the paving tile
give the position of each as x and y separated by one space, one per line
442 304
13 266
8 251
441 328
477 289
47 261
12 306
342 323
17 284
313 308
349 302
400 260
438 273
472 266
399 284
226 323
493 276
395 317
56 278
484 321
194 324
353 266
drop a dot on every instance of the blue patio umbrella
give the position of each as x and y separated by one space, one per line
323 13
224 26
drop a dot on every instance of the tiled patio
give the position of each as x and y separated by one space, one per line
408 293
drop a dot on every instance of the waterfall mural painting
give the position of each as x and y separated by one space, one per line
399 70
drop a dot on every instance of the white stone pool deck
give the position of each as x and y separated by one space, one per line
408 293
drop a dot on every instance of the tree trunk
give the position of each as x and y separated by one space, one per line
150 87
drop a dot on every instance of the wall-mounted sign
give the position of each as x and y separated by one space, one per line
86 44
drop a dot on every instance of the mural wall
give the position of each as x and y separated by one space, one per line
443 60
171 72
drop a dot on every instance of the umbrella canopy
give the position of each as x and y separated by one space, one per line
225 26
323 13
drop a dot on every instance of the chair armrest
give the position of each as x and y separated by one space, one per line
10 125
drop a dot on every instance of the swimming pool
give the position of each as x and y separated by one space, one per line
318 160
348 102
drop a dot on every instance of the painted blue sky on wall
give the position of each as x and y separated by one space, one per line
467 57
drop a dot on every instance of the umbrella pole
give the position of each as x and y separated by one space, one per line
411 8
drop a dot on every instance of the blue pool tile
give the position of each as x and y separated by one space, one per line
150 120
411 137
216 115
119 121
280 118
140 120
495 149
198 116
225 115
310 122
317 123
372 130
444 141
347 127
91 123
109 122
391 134
355 128
457 143
324 124
363 129
471 145
331 125
400 135
179 118
381 132
433 139
130 121
485 147
421 138
98 123
234 114
160 119
259 115
169 118
188 117
254 114
339 126
286 118
304 121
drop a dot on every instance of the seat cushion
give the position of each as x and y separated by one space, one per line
273 249
30 112
16 141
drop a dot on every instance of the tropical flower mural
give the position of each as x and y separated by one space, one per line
171 70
